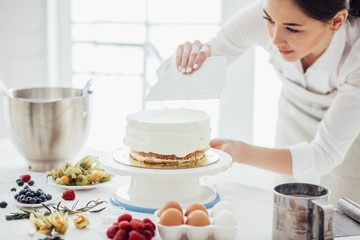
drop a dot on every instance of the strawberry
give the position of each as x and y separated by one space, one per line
150 228
146 220
69 194
148 235
25 178
124 225
137 225
126 217
134 235
120 235
112 231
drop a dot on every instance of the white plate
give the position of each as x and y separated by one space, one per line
51 181
36 205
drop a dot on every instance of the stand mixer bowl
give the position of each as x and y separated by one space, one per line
48 126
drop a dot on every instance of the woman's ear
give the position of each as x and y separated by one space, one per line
338 20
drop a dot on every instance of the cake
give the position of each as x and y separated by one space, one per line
168 136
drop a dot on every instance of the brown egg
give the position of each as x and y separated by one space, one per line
170 204
198 218
195 206
171 217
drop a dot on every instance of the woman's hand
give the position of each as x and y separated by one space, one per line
235 149
272 159
190 56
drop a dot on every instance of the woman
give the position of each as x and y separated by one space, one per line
315 48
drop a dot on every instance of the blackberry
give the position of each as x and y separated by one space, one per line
13 189
31 182
3 204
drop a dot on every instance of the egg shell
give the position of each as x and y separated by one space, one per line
198 218
225 218
220 206
195 206
171 217
170 204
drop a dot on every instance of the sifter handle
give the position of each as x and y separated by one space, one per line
327 218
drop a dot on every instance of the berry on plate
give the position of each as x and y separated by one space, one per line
69 194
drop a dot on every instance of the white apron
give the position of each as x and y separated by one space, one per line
300 112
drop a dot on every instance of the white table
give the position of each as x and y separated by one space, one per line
253 205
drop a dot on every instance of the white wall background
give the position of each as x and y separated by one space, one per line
22 45
26 33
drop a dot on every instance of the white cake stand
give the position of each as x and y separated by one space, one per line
150 188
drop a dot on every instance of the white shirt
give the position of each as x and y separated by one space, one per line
337 68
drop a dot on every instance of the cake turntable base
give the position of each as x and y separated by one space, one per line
150 188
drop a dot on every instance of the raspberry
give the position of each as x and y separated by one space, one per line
110 233
150 228
134 235
137 225
148 235
69 194
124 225
146 220
25 178
120 235
126 217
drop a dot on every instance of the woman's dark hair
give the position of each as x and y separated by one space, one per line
324 10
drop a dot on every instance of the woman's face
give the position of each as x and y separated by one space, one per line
294 34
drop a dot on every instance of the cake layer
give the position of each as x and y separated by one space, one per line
176 132
154 158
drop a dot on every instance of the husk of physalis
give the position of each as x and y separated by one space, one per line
41 223
60 221
81 221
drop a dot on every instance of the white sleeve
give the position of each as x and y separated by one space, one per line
245 29
335 135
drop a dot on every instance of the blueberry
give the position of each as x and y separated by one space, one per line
48 197
57 238
20 183
38 200
29 194
43 198
32 201
26 187
13 189
37 193
3 204
31 182
22 192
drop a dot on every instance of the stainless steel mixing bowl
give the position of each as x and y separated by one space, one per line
48 125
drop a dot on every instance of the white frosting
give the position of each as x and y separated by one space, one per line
168 131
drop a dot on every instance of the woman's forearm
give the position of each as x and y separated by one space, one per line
272 159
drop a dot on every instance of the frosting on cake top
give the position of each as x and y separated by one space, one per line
168 131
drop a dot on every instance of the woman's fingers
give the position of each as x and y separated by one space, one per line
203 53
216 143
190 56
178 56
193 55
185 56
